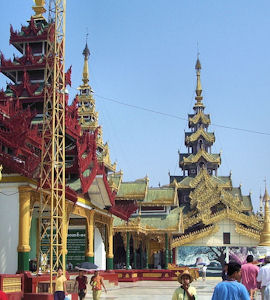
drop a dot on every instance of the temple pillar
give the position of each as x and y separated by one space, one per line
141 257
146 253
170 250
109 262
89 255
135 242
24 228
166 252
127 251
174 255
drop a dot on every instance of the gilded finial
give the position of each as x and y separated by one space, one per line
198 97
85 77
265 234
261 203
39 9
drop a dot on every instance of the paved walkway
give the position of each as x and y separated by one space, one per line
156 290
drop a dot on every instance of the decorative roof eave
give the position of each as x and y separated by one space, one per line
146 229
124 211
202 153
251 221
136 225
200 116
200 132
187 238
159 202
113 185
203 173
131 197
249 232
162 201
239 217
30 33
140 195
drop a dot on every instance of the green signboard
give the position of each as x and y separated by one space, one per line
76 246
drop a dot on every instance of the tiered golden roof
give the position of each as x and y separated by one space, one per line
209 193
88 116
208 136
199 117
191 159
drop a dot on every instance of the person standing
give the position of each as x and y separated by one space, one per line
60 285
231 289
263 277
185 291
97 283
249 276
204 268
81 282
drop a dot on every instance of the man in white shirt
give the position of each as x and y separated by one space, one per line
264 275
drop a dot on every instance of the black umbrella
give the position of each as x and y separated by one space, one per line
87 266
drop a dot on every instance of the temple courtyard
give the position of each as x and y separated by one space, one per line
157 290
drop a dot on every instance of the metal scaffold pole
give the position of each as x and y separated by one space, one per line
52 216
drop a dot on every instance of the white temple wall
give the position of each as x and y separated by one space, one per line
100 253
225 226
9 227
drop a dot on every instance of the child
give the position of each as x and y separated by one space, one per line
185 291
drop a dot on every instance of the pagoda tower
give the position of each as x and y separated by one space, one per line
88 116
199 141
215 213
27 71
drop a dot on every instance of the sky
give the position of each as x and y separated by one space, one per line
143 54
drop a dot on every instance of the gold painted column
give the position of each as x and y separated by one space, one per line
65 236
89 255
24 227
109 265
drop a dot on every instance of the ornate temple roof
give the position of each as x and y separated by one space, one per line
187 158
194 136
88 117
152 224
115 180
134 190
161 196
21 117
205 197
200 117
190 182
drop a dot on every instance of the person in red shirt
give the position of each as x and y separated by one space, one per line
3 296
81 282
249 276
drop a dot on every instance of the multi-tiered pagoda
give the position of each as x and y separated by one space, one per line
90 198
216 214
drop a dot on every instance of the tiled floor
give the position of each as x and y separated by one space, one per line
156 290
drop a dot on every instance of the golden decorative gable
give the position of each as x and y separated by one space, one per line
199 117
202 153
200 132
188 238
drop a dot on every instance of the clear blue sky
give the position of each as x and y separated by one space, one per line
143 53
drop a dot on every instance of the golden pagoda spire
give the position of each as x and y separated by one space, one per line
265 234
39 9
198 97
85 77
